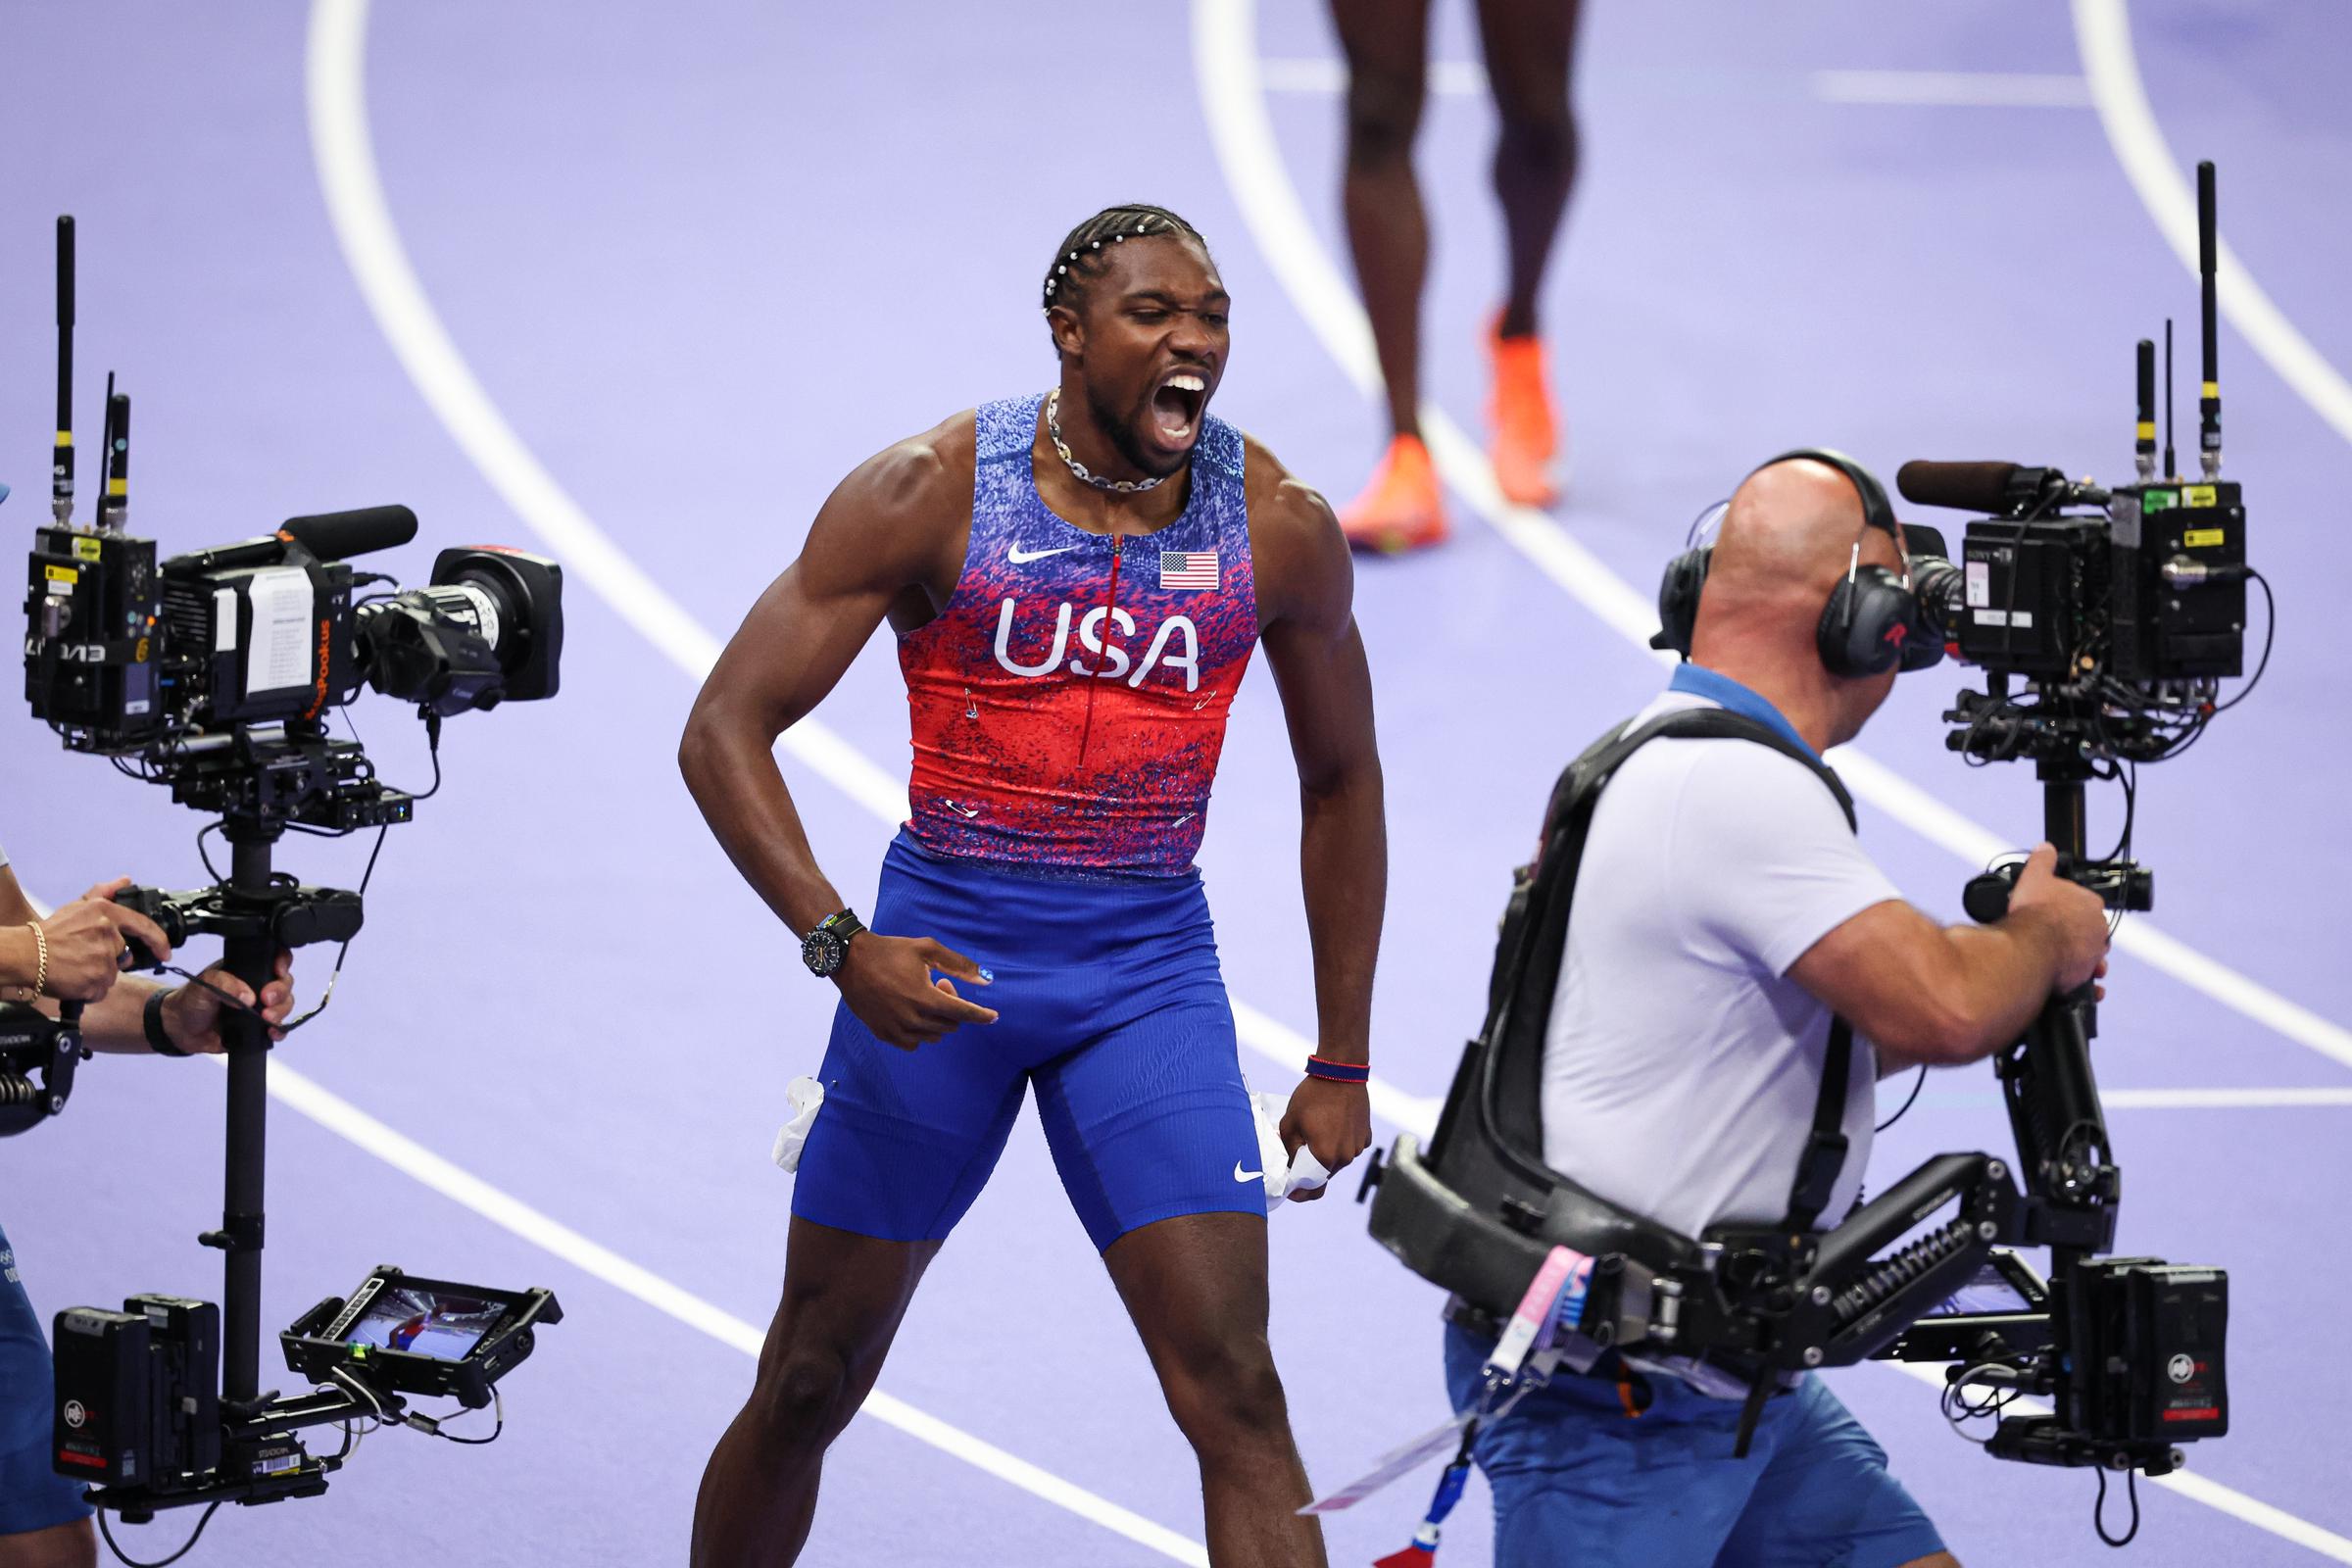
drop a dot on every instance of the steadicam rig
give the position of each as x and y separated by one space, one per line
216 672
2106 620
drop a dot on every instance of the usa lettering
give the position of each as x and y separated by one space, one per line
1174 646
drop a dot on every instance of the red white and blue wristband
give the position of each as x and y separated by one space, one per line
1339 1072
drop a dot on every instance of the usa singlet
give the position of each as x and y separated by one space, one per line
1068 705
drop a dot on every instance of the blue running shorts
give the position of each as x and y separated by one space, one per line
1577 1481
32 1496
1110 1002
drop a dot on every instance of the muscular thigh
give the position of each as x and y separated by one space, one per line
1195 1286
1150 1120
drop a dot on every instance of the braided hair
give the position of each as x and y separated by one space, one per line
1083 253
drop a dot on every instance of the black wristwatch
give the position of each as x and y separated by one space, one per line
824 949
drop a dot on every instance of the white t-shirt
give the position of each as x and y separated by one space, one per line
1680 1066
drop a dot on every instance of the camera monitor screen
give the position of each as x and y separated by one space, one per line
421 1322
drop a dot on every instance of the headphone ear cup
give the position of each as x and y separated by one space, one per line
1865 623
1677 599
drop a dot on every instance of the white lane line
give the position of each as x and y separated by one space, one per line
335 77
510 1214
1952 89
2103 33
1326 76
335 71
340 1116
2220 1098
1226 70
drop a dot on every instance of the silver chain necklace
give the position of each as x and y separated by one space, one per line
1063 449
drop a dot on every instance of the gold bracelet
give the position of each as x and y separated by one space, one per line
40 943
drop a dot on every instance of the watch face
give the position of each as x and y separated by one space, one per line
821 951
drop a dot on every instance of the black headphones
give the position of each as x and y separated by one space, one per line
1871 623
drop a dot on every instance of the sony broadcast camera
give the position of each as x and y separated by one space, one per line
216 672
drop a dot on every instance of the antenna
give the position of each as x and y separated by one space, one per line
2209 394
115 503
2143 433
61 465
2171 470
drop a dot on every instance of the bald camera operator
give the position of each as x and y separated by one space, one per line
1724 913
76 954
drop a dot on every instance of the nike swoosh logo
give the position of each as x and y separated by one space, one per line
1021 557
1241 1175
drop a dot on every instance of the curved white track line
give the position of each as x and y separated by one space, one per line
337 75
2103 33
1226 68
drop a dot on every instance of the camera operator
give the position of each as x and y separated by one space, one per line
74 956
1723 912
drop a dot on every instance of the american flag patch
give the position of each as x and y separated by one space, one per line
1188 568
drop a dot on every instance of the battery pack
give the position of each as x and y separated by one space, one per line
105 1395
2154 1353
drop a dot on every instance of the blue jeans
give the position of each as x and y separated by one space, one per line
1578 1482
32 1496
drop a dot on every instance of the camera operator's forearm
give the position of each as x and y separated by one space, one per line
2005 973
20 954
116 1022
734 779
1343 867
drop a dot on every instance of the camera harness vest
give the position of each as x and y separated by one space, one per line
1526 963
1534 929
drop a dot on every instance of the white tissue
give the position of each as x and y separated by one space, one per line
807 1098
1284 1177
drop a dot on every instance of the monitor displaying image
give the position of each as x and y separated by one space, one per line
425 1322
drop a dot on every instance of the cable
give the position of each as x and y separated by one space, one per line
191 1542
1959 1410
1915 1084
2098 1509
433 745
2269 631
336 974
432 1425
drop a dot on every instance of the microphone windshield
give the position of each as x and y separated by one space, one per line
1965 486
334 535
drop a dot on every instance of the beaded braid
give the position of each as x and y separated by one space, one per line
1080 258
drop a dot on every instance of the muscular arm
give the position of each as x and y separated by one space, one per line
889 540
1938 996
878 538
1317 657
